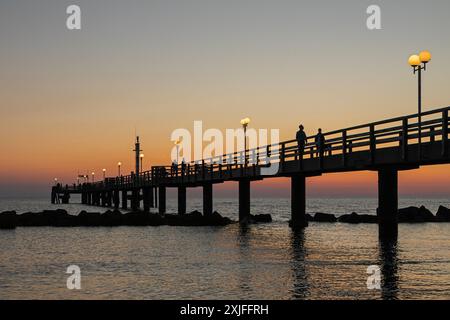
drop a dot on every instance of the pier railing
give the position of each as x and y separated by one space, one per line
395 132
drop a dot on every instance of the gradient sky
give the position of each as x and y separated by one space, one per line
72 100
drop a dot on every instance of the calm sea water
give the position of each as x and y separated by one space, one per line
267 261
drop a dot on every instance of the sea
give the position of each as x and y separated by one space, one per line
260 261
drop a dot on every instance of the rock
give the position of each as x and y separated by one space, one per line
143 219
414 214
216 219
195 218
257 218
55 218
356 218
111 218
8 220
324 217
349 218
90 219
443 214
368 218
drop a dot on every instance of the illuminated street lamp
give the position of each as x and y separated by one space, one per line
119 164
245 123
141 156
419 63
56 180
177 144
93 176
104 174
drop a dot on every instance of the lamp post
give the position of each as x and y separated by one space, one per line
141 157
245 123
56 181
177 144
119 164
93 176
104 174
419 63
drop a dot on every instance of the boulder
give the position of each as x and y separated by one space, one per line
55 218
216 219
8 220
90 219
263 218
349 218
112 218
358 218
324 217
414 214
195 218
142 219
368 218
443 214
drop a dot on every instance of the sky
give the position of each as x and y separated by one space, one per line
72 100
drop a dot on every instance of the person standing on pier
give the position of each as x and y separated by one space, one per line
320 143
301 141
174 168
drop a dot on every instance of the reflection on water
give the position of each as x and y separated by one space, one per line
300 281
243 244
389 268
266 261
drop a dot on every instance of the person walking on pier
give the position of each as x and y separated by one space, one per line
320 143
301 141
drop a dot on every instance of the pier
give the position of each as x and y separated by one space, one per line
386 146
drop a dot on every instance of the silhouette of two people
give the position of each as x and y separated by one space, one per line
302 140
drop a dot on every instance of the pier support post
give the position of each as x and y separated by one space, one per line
146 194
65 198
135 201
162 200
208 199
298 202
151 197
387 203
124 199
103 198
116 199
244 200
95 198
53 198
83 197
182 200
109 197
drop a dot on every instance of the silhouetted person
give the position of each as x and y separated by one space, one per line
320 143
301 140
183 167
174 168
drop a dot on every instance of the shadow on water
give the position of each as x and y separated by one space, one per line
300 281
388 261
244 247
